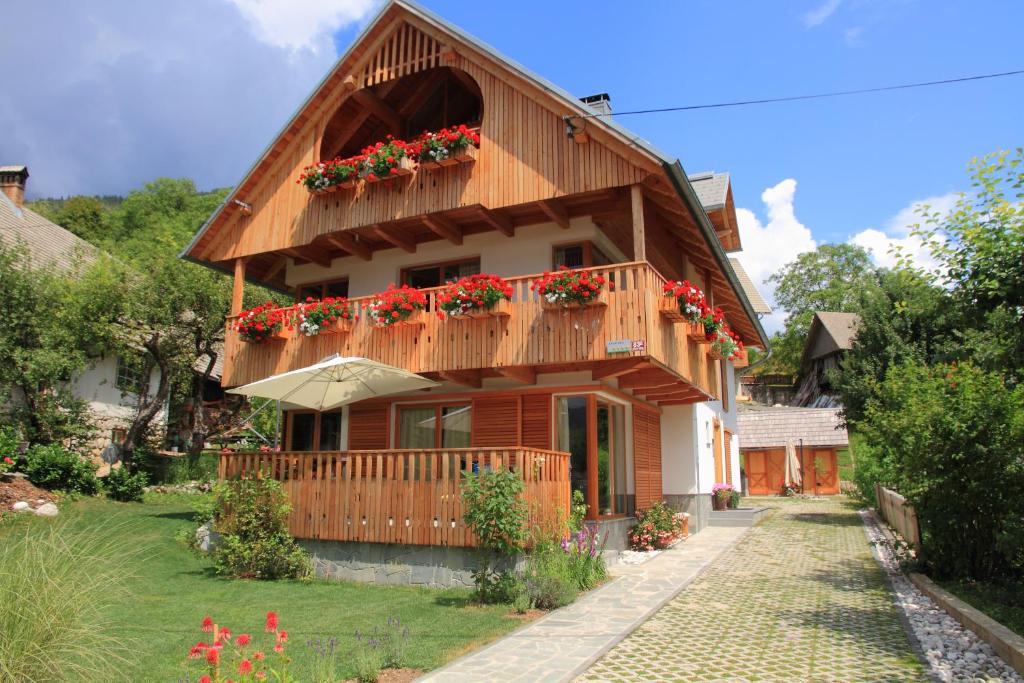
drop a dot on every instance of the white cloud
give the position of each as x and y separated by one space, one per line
302 24
853 35
769 246
820 14
895 235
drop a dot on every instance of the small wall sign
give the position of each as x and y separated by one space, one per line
618 346
639 346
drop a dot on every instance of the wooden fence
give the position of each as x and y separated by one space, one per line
902 517
400 496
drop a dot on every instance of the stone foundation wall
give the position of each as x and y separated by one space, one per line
395 564
698 505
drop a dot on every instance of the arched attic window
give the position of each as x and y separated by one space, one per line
403 107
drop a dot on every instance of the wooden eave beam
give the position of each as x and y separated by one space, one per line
275 268
346 134
442 227
418 96
379 108
499 222
346 242
469 378
310 253
394 238
519 373
614 368
555 212
640 382
672 396
683 401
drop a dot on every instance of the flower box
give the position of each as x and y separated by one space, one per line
403 166
346 185
597 301
417 318
712 353
466 155
501 308
668 306
339 327
696 333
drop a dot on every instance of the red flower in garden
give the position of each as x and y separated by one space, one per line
207 624
242 640
282 636
212 655
279 648
271 621
7 460
204 679
245 667
258 655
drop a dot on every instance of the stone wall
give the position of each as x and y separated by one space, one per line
698 505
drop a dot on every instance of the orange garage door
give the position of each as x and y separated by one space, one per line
766 471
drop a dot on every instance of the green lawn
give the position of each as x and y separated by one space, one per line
1003 601
170 590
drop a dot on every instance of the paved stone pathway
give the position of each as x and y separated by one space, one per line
799 598
564 643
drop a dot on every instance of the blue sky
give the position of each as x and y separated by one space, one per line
118 92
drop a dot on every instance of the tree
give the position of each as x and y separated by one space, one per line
829 278
82 216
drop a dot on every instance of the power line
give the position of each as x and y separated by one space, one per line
793 98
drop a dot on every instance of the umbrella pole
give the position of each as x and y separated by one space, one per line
277 426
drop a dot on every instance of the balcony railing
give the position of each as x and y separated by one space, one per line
530 336
400 496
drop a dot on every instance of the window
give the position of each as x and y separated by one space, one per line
598 468
322 290
418 426
579 255
438 274
131 376
306 428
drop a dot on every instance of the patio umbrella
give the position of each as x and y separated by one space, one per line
334 382
793 475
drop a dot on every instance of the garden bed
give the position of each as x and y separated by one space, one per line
18 489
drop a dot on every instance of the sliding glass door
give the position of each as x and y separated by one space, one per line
592 431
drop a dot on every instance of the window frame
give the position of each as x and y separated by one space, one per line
404 270
138 386
289 428
438 406
314 283
589 249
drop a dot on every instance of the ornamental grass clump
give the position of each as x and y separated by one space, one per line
473 293
251 514
260 324
313 317
243 658
58 583
395 305
657 527
568 287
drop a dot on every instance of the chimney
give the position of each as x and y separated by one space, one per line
601 103
12 183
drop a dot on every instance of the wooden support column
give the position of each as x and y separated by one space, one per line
238 288
592 482
636 196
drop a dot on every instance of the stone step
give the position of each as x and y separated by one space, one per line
739 517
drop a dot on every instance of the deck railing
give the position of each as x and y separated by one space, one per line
902 517
530 336
400 496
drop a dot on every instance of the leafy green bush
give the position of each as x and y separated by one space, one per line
55 467
124 486
949 438
549 578
58 580
496 513
164 470
656 527
251 514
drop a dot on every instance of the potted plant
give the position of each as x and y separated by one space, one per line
386 160
685 302
398 306
332 315
568 288
329 176
447 146
727 345
262 324
476 296
720 495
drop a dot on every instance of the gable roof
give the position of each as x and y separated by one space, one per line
775 427
711 188
48 244
749 288
830 332
673 169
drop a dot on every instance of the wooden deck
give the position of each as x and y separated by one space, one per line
400 496
530 338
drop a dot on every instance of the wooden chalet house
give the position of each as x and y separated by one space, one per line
617 398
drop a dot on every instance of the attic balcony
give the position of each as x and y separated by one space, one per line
627 337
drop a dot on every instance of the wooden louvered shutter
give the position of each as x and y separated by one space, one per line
537 421
647 457
495 422
368 427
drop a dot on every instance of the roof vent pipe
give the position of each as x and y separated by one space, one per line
600 103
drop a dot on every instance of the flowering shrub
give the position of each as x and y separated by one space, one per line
396 304
657 527
313 316
566 287
261 323
473 293
692 302
325 174
723 491
586 562
242 659
382 159
713 323
727 344
445 143
6 464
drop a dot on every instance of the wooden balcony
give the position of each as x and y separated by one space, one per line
530 338
400 496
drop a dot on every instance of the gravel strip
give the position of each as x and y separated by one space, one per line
953 653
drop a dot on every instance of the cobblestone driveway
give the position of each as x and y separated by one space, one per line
800 598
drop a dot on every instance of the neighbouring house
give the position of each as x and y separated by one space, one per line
830 336
109 384
768 389
620 399
812 435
